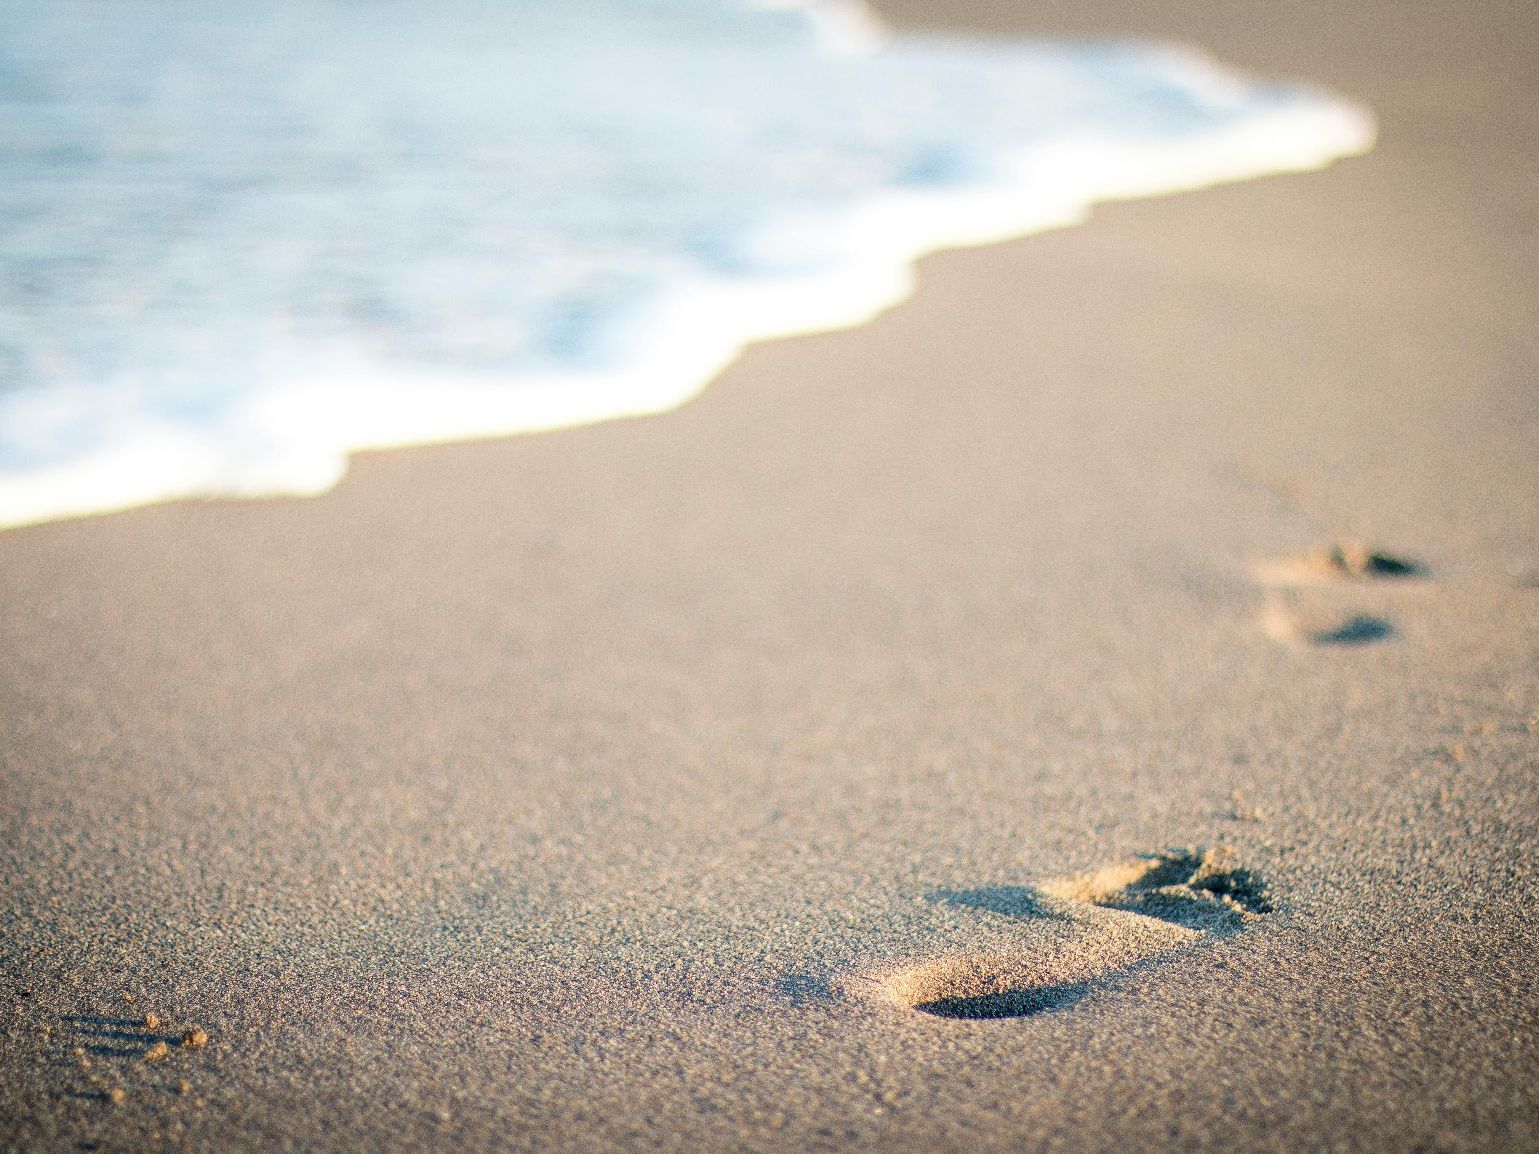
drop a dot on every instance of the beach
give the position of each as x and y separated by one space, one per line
742 778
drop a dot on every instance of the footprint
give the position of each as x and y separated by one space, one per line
1285 619
1325 620
1012 1004
1340 561
1202 890
1072 934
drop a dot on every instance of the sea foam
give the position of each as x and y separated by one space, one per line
240 242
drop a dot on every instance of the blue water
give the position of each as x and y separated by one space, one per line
239 241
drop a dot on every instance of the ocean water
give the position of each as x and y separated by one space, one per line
239 241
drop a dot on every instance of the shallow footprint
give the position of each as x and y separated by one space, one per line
1285 620
1325 620
1338 561
1021 1003
1075 933
1200 889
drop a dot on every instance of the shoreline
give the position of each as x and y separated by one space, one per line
292 431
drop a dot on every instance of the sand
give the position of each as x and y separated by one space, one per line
774 774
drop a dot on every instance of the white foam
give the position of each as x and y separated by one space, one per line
843 27
288 427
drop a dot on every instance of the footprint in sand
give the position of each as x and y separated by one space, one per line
1340 561
1084 930
1286 618
1305 606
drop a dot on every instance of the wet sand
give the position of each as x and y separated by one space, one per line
774 774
